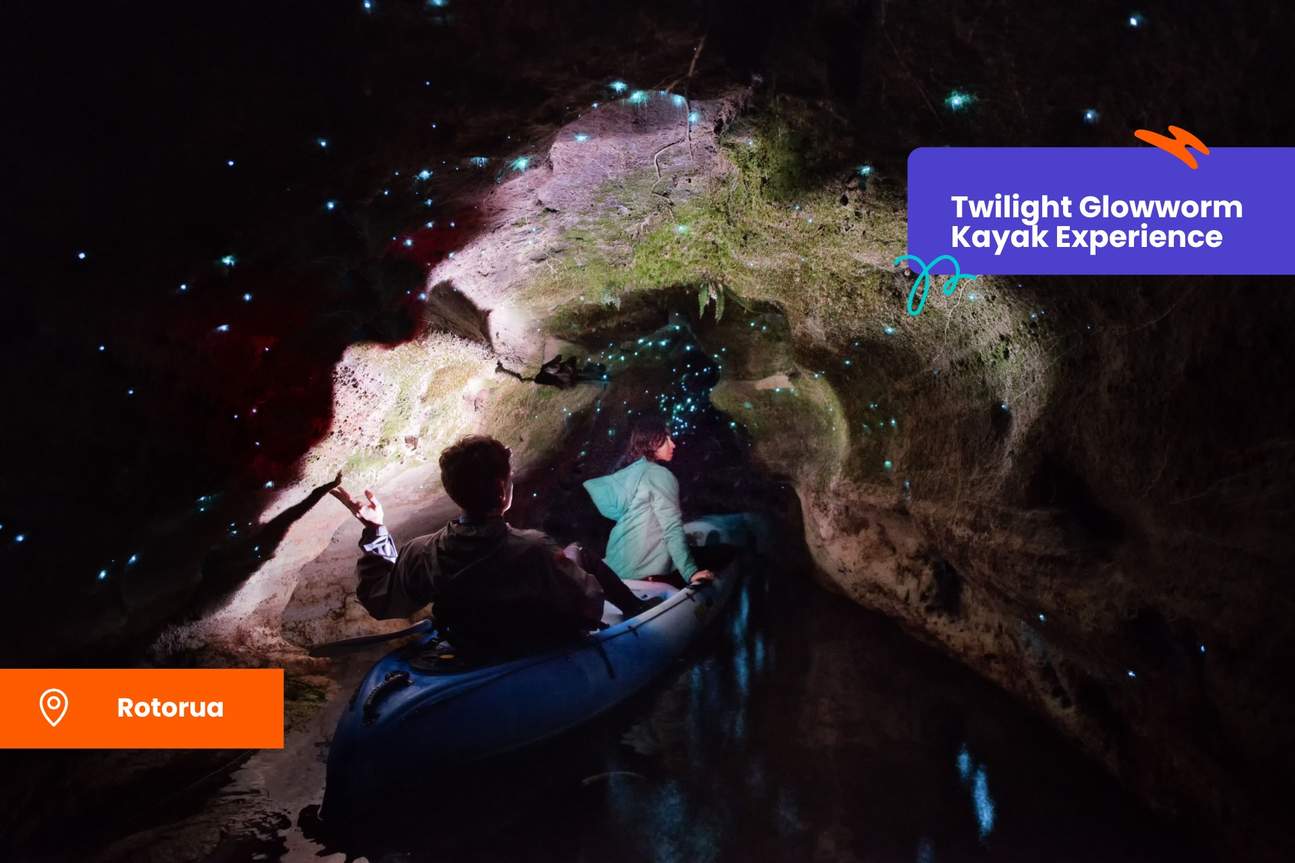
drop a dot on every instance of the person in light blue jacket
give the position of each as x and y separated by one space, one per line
643 499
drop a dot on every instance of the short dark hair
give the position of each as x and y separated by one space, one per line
471 471
646 436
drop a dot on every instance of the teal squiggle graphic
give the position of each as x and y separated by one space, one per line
924 280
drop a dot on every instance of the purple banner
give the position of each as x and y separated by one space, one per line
1102 210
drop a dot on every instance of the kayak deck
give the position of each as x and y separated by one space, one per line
415 711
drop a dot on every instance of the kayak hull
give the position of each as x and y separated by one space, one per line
408 719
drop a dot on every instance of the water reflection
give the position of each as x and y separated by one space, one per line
984 803
978 785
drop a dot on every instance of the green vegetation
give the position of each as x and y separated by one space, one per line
303 697
533 420
773 229
801 424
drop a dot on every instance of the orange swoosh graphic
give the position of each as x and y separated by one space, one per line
1175 146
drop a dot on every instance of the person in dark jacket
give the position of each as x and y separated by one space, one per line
493 588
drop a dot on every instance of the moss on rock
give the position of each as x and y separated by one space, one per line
790 421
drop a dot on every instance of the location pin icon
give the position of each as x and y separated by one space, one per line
53 706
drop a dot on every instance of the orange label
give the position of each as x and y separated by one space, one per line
141 708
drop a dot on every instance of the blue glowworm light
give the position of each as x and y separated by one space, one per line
229 260
618 86
957 100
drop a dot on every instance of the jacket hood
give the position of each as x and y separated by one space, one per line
612 494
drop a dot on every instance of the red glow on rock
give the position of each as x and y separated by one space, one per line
430 246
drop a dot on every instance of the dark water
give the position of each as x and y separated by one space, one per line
803 728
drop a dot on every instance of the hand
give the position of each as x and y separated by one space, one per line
701 576
369 513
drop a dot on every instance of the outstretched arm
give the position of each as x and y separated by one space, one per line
390 585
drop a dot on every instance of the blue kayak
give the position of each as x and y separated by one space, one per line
420 708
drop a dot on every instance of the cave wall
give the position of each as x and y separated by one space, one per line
1075 488
1100 530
